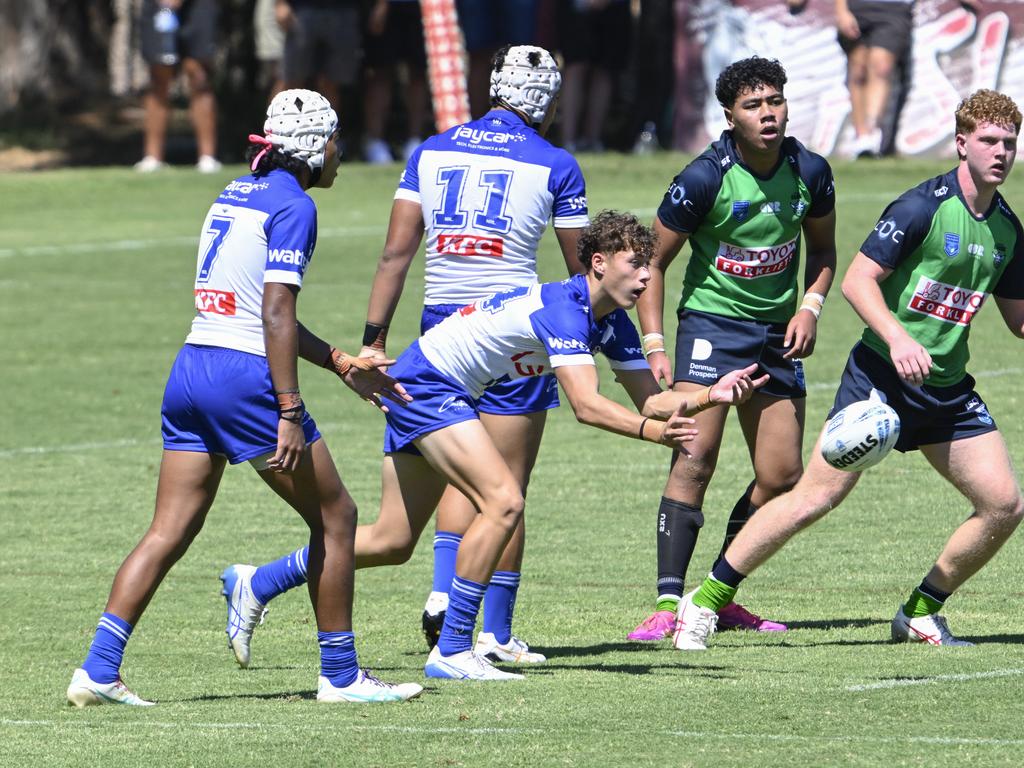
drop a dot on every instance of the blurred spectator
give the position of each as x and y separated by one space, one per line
394 34
321 45
652 74
594 36
179 33
487 25
876 35
269 47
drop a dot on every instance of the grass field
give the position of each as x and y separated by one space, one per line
96 270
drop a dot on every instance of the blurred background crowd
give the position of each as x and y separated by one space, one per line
152 82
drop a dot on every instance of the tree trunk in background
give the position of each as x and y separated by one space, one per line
52 52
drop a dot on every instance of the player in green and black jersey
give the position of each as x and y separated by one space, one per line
744 206
933 259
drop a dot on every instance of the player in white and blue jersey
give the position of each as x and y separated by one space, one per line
481 194
233 396
522 333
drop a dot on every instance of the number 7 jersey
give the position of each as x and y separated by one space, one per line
487 189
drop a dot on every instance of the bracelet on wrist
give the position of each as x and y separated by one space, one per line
289 400
640 432
375 335
703 401
652 342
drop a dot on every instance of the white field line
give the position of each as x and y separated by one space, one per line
33 450
250 726
958 678
325 233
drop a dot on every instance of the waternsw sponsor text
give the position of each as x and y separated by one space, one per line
949 303
759 261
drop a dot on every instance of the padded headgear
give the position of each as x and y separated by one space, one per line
527 80
299 123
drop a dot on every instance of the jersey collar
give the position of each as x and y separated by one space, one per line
734 156
954 184
505 117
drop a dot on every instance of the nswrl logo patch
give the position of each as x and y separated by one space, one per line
952 247
740 209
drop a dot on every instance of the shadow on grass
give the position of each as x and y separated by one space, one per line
285 696
703 670
836 623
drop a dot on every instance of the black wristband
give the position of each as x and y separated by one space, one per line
294 414
642 425
374 334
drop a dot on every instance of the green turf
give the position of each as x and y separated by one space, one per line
96 269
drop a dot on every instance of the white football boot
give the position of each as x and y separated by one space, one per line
85 692
466 665
515 651
931 629
244 611
694 625
366 689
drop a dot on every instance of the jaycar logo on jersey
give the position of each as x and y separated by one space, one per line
949 303
476 136
470 245
217 302
290 256
738 261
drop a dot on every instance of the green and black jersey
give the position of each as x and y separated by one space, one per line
945 262
744 230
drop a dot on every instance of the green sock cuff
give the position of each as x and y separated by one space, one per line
714 594
667 603
921 604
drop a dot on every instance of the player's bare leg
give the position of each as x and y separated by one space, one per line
157 105
202 109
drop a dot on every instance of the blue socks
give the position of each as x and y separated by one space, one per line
275 578
103 663
499 604
446 549
463 605
338 661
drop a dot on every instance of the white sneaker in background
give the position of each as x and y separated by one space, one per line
366 689
464 666
515 651
149 164
931 629
85 692
208 164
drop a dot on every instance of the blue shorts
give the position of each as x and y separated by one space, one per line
527 395
490 24
928 415
438 402
709 346
221 401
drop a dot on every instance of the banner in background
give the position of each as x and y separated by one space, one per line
954 53
446 66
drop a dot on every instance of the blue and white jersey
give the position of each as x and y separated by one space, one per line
527 331
488 189
260 230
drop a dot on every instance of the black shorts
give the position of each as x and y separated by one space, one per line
709 346
322 41
928 414
600 38
401 40
882 25
197 31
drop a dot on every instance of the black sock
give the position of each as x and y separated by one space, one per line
679 525
738 518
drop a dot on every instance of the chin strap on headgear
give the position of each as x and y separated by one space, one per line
526 80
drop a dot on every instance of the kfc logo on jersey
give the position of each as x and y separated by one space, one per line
737 261
948 303
293 257
216 302
470 245
525 369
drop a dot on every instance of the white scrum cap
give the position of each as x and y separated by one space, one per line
527 80
299 123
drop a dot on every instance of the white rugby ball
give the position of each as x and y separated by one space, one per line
860 435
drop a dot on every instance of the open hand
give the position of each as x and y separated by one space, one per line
736 387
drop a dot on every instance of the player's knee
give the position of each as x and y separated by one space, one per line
779 481
506 508
1008 512
690 472
390 547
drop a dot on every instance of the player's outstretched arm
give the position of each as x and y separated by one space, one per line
1013 314
735 388
405 231
281 342
579 382
861 287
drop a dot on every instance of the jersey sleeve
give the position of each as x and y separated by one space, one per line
291 237
564 330
820 184
1011 282
409 183
620 343
569 207
691 195
901 229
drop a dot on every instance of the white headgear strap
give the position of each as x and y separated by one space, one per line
527 80
299 123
